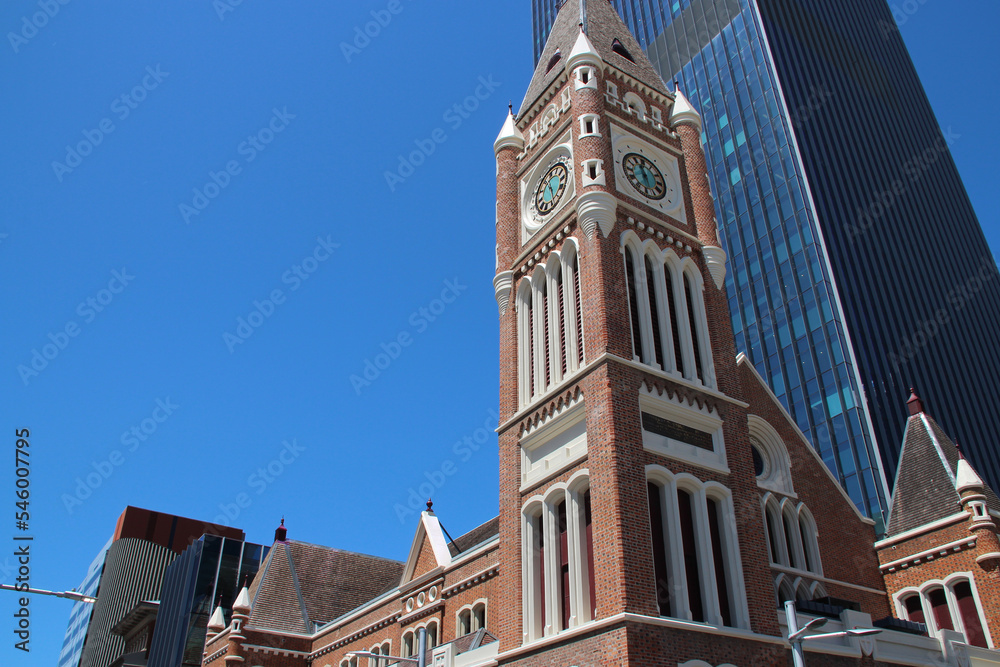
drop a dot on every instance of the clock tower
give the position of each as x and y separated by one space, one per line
628 499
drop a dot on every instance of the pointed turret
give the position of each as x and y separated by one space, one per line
510 136
583 52
241 614
242 604
966 478
218 621
683 112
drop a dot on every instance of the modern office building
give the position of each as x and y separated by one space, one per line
208 574
858 268
128 570
79 617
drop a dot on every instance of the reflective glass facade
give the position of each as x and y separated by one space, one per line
812 114
79 617
211 568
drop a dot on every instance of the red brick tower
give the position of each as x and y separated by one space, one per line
628 501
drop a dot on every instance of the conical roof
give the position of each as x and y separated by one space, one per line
927 478
603 27
218 620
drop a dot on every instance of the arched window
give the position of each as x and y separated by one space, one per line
479 616
558 560
409 645
464 625
553 61
951 604
695 553
550 324
666 310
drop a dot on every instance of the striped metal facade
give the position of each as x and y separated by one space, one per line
133 571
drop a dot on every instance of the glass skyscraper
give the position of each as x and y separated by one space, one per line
857 267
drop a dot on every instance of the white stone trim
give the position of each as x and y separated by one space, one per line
680 606
592 173
596 210
948 584
690 415
929 554
556 443
541 511
682 272
777 474
920 530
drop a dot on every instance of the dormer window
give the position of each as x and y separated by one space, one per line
553 61
620 49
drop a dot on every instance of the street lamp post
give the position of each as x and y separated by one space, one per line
797 635
420 660
69 595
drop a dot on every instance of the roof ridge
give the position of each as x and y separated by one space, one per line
298 588
343 551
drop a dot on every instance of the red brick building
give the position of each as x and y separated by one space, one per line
657 505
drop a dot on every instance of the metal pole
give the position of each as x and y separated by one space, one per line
798 656
422 644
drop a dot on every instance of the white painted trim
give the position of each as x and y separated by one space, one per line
690 415
826 580
948 584
741 359
920 530
930 554
777 474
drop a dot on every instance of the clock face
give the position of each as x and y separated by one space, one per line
644 177
550 188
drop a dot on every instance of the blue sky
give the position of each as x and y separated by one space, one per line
221 251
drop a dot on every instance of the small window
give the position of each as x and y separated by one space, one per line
758 462
553 61
589 127
620 49
585 75
612 89
592 169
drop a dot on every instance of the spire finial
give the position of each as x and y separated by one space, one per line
914 403
961 454
430 505
510 107
281 533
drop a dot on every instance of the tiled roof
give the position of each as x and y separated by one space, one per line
602 25
303 584
475 537
925 479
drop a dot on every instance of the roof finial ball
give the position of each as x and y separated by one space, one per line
281 533
430 505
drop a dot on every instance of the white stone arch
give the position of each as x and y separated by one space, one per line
635 103
777 474
776 529
699 320
948 584
554 316
810 538
525 341
572 305
738 605
783 588
673 549
790 523
817 590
